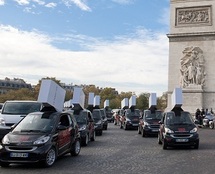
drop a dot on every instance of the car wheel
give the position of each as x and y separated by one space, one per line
76 148
50 157
138 130
100 133
86 140
211 125
4 164
93 136
196 145
164 145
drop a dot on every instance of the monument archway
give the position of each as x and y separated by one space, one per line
192 53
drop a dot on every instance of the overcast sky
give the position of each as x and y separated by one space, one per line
108 43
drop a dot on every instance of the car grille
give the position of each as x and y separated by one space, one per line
155 126
20 148
182 135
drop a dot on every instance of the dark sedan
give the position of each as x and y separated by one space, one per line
41 137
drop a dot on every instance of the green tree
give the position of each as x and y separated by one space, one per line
143 101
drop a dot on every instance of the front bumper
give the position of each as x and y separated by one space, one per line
23 154
191 140
151 131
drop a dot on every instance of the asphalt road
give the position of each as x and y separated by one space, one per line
118 151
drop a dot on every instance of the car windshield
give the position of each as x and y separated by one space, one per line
157 115
96 115
81 118
37 122
134 113
183 118
103 113
17 108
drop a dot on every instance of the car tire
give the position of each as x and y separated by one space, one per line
85 140
196 146
76 148
4 164
93 136
211 125
50 157
138 130
164 144
101 132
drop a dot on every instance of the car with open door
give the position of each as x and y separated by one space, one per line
41 137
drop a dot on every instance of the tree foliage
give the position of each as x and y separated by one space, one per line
108 93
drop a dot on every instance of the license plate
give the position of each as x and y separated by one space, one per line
182 140
154 130
18 155
134 124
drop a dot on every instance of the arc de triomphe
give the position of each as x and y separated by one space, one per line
192 53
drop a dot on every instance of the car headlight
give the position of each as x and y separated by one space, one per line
5 140
99 122
169 131
2 122
42 140
194 130
82 128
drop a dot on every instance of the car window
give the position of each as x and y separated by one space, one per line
183 118
96 115
20 108
81 118
64 120
37 122
157 115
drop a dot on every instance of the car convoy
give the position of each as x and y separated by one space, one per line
44 133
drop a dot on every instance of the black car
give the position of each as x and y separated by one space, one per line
178 129
97 116
41 137
85 122
130 119
109 115
149 122
104 118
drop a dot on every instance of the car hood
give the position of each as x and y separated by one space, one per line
182 127
152 121
24 138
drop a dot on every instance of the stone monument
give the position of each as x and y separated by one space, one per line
192 53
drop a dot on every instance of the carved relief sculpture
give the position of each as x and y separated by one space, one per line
192 67
193 16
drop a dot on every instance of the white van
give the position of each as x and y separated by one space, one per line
13 111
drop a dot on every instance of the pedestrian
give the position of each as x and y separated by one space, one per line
197 114
202 115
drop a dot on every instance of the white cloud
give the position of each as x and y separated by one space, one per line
137 63
39 2
2 2
51 5
80 3
22 2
